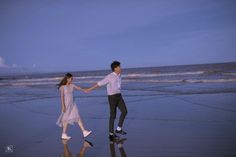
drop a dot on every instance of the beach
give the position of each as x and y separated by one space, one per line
178 118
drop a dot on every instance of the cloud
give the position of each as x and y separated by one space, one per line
16 66
2 63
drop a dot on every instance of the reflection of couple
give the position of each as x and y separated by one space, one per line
70 113
66 151
86 145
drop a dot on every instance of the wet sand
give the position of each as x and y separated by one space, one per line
158 124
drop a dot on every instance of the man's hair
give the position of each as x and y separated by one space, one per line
114 64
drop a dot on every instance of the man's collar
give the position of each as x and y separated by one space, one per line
116 74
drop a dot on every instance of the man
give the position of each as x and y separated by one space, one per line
113 83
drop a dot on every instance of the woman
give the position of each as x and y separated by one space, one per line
70 113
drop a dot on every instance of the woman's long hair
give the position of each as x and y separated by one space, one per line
64 80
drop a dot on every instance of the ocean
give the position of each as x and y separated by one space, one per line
205 73
136 82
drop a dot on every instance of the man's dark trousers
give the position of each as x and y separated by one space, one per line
115 101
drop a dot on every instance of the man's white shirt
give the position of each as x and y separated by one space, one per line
113 82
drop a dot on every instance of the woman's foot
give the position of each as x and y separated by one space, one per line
86 133
64 136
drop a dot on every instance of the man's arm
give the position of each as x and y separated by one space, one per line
99 84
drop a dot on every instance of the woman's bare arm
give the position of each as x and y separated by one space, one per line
79 88
63 106
93 87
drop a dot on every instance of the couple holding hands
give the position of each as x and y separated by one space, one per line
70 113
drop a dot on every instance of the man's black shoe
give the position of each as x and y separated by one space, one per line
113 137
122 132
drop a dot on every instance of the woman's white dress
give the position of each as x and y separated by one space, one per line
71 114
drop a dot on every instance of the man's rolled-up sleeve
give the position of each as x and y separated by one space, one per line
103 81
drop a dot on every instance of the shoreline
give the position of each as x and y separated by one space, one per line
179 125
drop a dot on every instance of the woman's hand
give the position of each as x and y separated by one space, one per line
63 109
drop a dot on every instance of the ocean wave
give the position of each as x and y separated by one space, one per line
33 83
184 81
133 75
231 74
38 79
89 77
47 79
27 83
211 80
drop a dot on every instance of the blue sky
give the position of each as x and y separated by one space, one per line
87 35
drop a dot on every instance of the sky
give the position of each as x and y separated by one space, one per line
79 35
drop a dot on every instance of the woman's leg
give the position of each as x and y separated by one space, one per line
64 135
81 125
65 125
84 131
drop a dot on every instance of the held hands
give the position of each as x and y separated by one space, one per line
87 90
